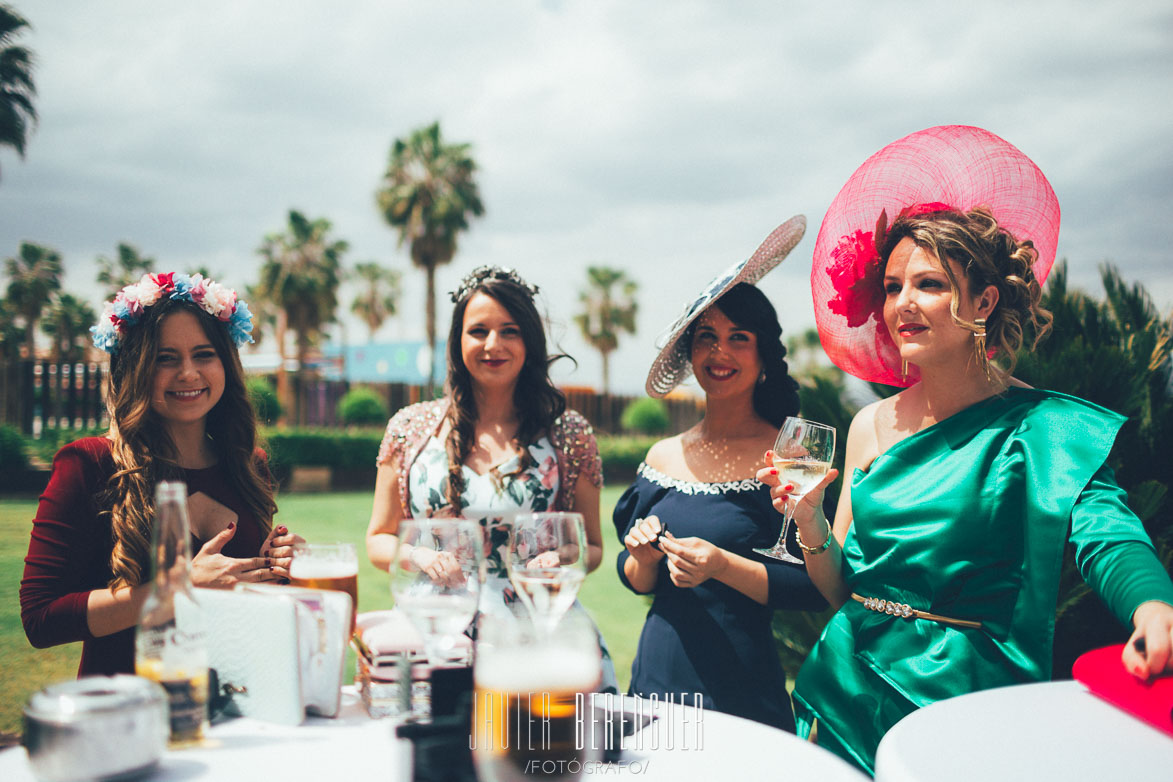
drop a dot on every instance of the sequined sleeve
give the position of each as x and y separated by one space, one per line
394 437
406 433
578 455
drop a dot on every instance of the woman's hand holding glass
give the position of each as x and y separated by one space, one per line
547 563
440 566
801 459
807 510
435 579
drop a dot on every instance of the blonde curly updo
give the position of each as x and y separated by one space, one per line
988 255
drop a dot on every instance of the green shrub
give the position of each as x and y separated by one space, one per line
621 457
362 405
346 452
44 448
646 416
13 457
264 399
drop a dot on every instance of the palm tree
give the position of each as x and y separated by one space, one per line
34 275
126 268
428 195
68 323
17 90
11 335
300 276
606 314
379 296
263 311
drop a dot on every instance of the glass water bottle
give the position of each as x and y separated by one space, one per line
170 646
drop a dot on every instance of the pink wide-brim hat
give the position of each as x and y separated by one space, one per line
672 364
955 166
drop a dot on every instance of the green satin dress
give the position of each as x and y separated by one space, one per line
968 519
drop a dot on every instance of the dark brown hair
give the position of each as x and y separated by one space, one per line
537 402
776 397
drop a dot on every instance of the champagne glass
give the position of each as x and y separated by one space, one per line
436 580
547 564
802 456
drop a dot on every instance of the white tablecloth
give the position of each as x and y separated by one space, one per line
683 744
1049 731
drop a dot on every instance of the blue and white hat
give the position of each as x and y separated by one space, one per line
672 365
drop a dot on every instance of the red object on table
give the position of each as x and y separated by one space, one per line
1103 672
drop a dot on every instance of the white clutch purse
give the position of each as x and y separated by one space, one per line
279 650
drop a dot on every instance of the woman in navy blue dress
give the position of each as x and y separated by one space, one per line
694 515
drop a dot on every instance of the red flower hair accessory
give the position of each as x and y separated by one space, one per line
947 167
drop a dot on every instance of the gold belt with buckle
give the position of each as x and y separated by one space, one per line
893 608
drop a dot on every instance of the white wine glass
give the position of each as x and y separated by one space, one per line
803 454
547 564
436 580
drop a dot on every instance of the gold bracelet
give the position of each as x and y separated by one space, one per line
813 549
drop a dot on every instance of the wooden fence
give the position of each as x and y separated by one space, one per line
38 396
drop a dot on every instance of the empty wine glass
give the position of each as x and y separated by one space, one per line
436 580
802 456
547 564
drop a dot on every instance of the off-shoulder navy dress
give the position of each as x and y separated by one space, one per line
711 639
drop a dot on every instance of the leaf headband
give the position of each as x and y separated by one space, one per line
129 306
481 274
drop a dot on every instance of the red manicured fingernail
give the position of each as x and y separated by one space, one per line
232 525
789 487
281 530
773 471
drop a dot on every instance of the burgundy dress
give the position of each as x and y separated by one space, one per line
70 546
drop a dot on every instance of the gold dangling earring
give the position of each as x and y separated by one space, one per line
979 341
904 369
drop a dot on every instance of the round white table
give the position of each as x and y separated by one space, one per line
682 744
1048 731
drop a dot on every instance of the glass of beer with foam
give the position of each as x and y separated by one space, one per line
532 716
327 566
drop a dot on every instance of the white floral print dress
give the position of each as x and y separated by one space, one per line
497 495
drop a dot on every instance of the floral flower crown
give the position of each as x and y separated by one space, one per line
482 273
129 306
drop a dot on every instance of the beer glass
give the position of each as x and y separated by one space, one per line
436 580
547 564
532 715
803 454
327 566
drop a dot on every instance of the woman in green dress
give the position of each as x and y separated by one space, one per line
962 489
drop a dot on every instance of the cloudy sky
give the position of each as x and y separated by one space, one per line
665 138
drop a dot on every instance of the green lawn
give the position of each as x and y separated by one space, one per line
316 517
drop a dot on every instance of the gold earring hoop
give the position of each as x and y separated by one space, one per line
979 343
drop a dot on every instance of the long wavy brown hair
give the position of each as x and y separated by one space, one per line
537 402
142 448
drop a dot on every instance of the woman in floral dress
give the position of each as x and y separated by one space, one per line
500 442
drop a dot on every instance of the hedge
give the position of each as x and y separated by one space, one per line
354 452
